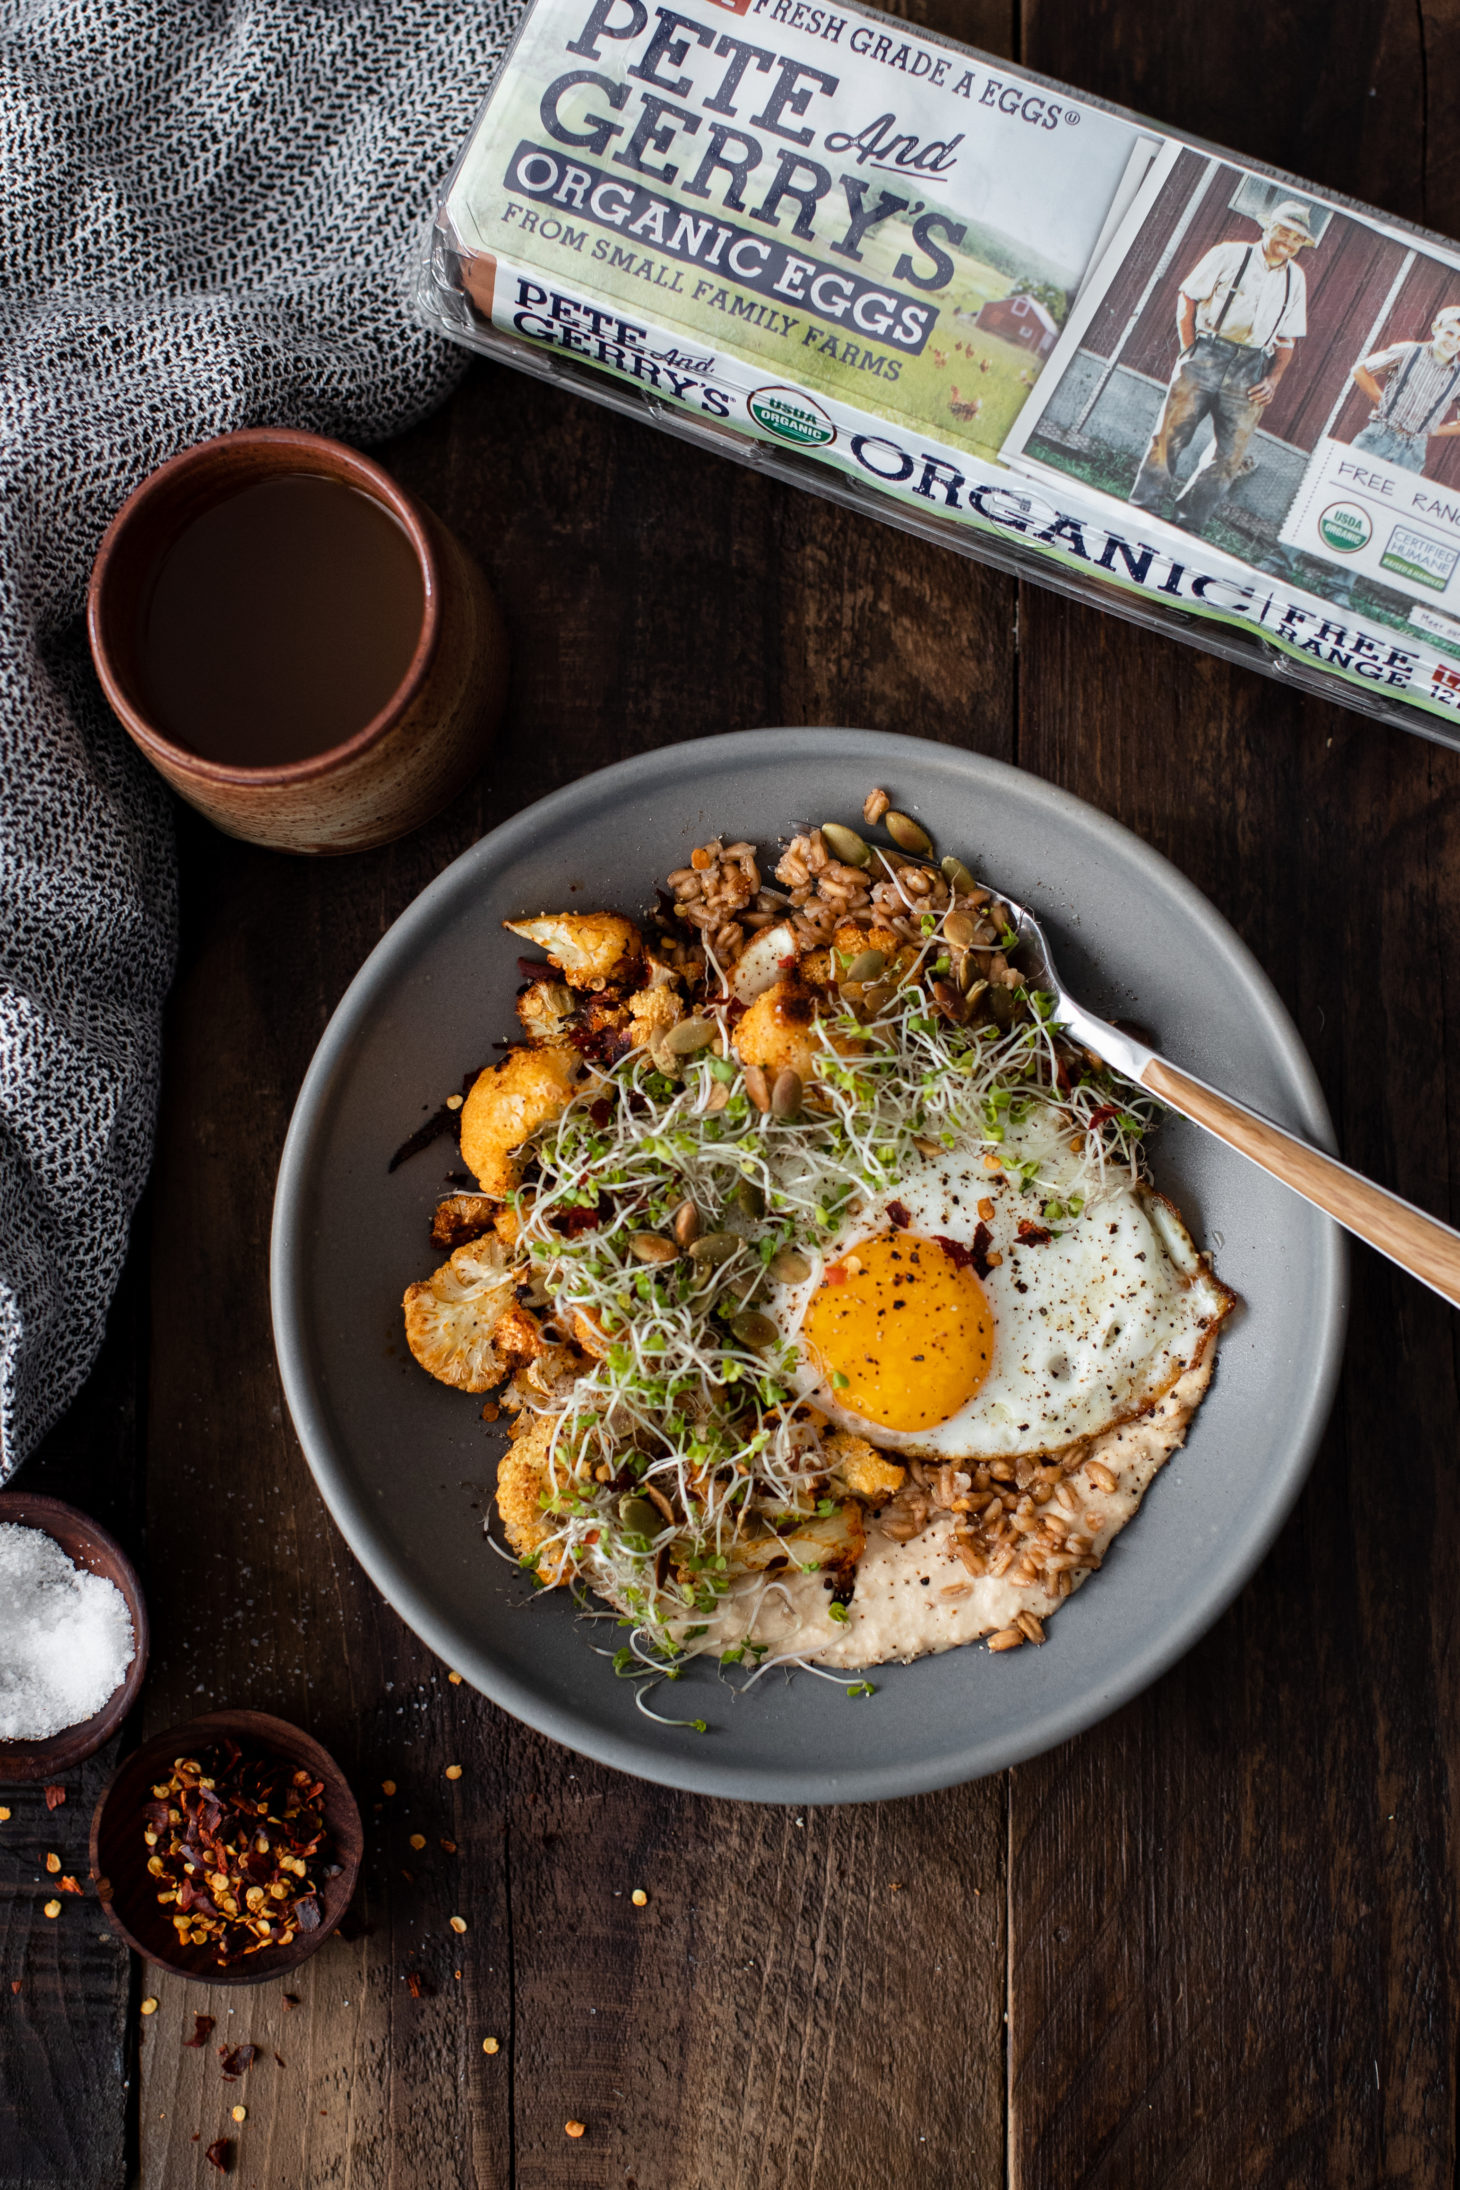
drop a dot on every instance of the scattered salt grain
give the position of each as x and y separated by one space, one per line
65 1641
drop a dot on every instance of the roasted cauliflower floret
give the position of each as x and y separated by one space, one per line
461 1217
832 1539
522 1482
507 1104
588 949
452 1315
779 1030
652 1013
860 1468
544 1009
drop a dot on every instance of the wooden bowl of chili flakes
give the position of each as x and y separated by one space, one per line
227 1849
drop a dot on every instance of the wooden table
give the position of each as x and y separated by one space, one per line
1212 1942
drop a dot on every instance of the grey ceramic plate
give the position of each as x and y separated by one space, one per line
401 1459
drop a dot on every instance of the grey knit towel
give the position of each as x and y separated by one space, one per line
208 214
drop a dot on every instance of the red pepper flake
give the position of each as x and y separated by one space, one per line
413 1984
67 1885
281 2060
220 2154
15 1984
534 969
960 1256
899 1215
202 2031
1034 1235
55 1796
1102 1116
238 1850
236 2061
836 1273
291 2000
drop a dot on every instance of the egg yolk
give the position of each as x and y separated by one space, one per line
903 1335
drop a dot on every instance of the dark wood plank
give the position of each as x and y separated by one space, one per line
67 2049
653 593
1233 1946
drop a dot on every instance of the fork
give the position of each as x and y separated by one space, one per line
1420 1244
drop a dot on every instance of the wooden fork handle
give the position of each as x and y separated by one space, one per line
1419 1244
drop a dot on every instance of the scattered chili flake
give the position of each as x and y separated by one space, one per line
55 1796
238 1850
281 2060
575 2129
978 1253
237 2060
453 1771
69 1885
15 1984
458 1923
291 2000
202 2031
413 1983
53 1862
899 1214
148 2007
490 2045
449 1846
1034 1235
960 1256
52 1908
220 2154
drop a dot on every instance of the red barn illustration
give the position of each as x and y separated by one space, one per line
1022 320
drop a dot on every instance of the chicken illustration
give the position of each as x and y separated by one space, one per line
964 409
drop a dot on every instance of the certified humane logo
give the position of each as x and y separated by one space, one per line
791 416
1345 527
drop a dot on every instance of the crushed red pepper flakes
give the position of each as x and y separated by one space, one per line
237 2060
291 2000
68 1885
238 1846
220 2154
55 1796
15 1984
202 2030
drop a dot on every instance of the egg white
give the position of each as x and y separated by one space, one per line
1090 1327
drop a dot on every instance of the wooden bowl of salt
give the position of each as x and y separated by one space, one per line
88 1546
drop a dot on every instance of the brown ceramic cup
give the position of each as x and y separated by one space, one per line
396 771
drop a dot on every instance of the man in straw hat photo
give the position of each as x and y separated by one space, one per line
1240 314
1412 386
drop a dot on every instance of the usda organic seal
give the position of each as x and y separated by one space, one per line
1345 528
792 416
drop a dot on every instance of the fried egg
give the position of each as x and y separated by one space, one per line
952 1320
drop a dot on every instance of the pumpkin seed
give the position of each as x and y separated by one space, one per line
789 1267
907 834
652 1247
754 1329
958 929
845 844
689 1035
866 966
786 1094
686 1224
758 1087
748 1198
974 983
876 997
715 1247
957 876
639 1516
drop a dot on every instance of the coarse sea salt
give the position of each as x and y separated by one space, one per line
66 1637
